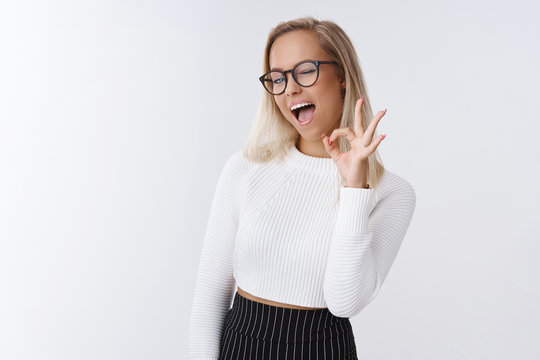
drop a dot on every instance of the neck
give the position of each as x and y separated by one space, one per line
315 147
312 148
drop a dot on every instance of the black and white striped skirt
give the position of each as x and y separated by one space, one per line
255 330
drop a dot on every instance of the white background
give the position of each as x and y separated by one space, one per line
116 119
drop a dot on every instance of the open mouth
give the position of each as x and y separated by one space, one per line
304 114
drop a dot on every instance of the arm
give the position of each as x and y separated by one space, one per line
365 243
215 283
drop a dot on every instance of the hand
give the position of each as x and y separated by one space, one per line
353 164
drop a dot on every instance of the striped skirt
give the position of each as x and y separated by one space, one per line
255 330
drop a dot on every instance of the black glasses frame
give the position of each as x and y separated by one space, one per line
284 73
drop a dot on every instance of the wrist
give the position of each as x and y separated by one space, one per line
359 186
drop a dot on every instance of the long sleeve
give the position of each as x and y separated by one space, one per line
215 283
365 242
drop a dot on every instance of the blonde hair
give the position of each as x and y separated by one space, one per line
272 135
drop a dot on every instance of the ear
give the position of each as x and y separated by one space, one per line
343 84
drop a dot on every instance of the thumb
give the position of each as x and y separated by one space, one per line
331 149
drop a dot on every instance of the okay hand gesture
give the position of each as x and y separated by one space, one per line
353 164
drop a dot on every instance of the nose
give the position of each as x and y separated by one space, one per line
292 86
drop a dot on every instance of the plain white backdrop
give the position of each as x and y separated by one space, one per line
116 118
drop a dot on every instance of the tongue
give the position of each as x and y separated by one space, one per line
305 113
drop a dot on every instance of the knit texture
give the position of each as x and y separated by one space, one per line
279 231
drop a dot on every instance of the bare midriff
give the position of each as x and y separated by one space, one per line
273 303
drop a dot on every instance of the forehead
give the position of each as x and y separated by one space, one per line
293 47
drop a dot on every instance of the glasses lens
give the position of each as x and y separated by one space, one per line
274 82
306 73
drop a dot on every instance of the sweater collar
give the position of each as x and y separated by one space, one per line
320 165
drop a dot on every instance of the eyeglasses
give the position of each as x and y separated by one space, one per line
305 74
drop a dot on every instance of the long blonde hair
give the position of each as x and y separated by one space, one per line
272 135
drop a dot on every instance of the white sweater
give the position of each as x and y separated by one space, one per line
279 231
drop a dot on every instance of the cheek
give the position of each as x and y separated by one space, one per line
284 110
280 106
329 95
331 104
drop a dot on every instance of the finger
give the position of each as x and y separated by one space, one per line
332 149
358 126
374 146
368 135
342 132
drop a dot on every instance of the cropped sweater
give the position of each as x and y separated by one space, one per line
290 232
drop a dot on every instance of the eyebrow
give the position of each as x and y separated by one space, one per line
281 69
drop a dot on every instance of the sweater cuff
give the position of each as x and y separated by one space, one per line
355 205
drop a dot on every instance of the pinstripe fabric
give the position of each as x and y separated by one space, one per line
255 330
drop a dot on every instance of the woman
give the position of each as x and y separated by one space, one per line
304 220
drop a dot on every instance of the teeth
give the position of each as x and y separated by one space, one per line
300 105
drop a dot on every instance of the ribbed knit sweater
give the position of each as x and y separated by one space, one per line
290 232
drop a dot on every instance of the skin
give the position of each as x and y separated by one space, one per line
287 51
272 303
